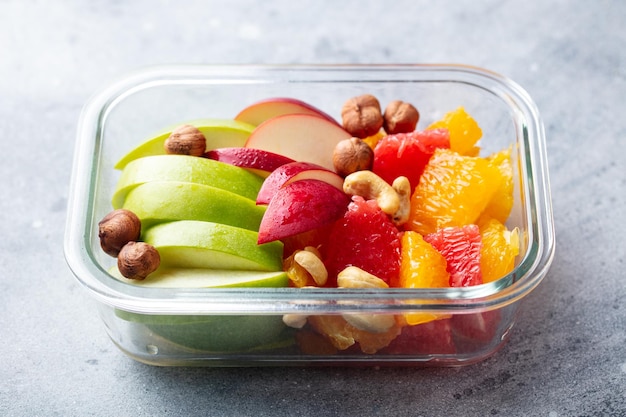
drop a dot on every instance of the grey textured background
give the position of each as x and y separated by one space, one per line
566 356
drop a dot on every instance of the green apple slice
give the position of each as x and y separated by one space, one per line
227 333
199 244
206 278
186 168
219 133
163 201
211 333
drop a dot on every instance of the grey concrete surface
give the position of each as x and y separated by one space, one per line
567 354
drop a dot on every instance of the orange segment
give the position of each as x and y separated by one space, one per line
422 267
464 131
413 319
500 247
502 202
453 191
373 140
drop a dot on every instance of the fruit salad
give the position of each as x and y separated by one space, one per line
285 195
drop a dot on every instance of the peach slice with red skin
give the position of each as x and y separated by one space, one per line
295 171
299 207
301 137
263 110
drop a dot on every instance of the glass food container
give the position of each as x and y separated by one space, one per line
244 326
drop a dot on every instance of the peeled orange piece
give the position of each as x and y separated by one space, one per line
453 191
499 249
373 140
422 266
502 201
464 131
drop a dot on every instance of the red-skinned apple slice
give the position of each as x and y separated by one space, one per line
301 137
325 175
295 171
260 161
301 206
263 110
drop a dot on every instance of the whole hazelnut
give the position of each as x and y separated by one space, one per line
186 140
137 260
116 229
400 117
361 116
351 155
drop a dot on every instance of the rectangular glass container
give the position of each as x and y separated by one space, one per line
244 326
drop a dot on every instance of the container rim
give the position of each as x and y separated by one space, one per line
509 289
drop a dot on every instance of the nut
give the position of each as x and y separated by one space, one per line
298 276
313 250
116 229
297 321
351 155
355 277
305 268
373 323
186 140
137 260
372 187
402 186
400 117
312 263
361 116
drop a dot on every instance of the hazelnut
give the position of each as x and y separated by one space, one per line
361 116
137 260
351 155
116 229
186 140
400 117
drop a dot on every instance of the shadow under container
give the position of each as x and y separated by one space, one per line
244 326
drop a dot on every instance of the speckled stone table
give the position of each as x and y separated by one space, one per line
567 354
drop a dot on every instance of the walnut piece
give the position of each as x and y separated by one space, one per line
400 117
116 229
361 116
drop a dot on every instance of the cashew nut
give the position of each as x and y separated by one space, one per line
394 200
309 260
297 321
313 250
373 323
372 187
402 186
355 277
